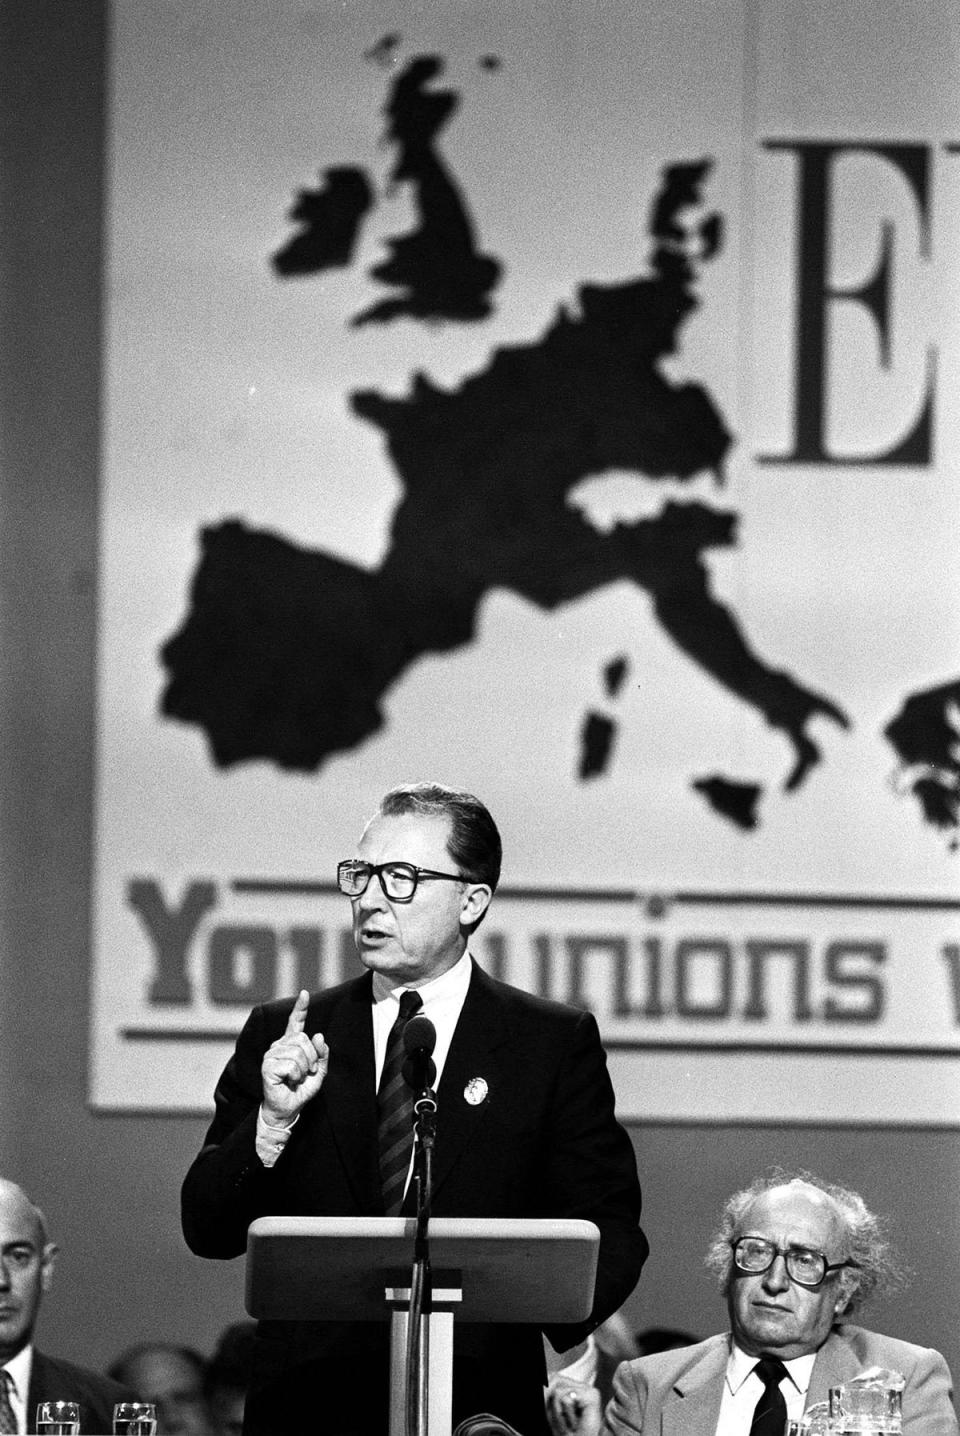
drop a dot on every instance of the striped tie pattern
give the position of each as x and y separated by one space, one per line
395 1108
8 1421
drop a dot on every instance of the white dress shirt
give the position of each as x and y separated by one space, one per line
443 1000
742 1389
19 1368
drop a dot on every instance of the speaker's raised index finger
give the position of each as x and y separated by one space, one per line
298 1013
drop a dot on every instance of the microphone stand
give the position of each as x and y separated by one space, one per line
421 1289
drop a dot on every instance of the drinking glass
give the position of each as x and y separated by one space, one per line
815 1421
58 1418
134 1418
872 1410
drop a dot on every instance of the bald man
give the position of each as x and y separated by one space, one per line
27 1377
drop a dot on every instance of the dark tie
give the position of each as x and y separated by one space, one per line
395 1107
770 1412
8 1421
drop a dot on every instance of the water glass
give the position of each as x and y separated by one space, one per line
815 1421
872 1410
58 1418
134 1418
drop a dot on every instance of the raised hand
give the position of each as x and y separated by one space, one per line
293 1067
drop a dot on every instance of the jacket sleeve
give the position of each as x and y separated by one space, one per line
592 1174
625 1409
928 1398
227 1186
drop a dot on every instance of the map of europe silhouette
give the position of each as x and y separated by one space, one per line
287 654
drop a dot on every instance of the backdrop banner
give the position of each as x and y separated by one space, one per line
561 412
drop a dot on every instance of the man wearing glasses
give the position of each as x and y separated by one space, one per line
794 1258
525 1125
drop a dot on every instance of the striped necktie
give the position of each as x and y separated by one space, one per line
8 1419
770 1412
395 1109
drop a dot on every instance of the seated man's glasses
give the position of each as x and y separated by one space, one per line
398 880
804 1266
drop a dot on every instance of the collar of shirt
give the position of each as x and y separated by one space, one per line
443 1000
20 1368
742 1388
740 1366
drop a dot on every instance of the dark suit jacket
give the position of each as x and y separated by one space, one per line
678 1393
544 1143
53 1380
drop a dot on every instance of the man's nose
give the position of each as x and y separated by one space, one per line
4 1275
775 1277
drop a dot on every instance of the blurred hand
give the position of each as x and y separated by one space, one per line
293 1067
573 1407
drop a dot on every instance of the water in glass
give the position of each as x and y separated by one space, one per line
134 1418
58 1418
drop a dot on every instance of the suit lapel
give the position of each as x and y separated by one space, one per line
37 1389
835 1362
481 1028
693 1406
45 1385
349 1094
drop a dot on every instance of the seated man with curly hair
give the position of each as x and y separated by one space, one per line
794 1258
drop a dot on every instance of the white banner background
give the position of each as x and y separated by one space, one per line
227 396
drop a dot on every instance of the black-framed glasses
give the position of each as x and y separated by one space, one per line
398 880
805 1266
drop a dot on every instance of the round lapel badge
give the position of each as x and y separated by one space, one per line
476 1091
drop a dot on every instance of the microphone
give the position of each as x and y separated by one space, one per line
419 1040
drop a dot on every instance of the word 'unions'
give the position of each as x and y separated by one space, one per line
639 979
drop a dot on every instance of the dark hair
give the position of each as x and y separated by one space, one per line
879 1271
474 842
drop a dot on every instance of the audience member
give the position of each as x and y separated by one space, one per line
793 1256
227 1377
27 1375
172 1377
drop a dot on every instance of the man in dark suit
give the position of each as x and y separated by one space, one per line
793 1258
525 1127
26 1375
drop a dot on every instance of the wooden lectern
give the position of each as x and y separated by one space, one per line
359 1269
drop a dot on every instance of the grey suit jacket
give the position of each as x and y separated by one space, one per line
678 1393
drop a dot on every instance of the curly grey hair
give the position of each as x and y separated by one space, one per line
880 1270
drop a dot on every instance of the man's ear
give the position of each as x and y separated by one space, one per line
849 1282
47 1260
476 900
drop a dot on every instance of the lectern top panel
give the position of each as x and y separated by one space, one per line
339 1268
